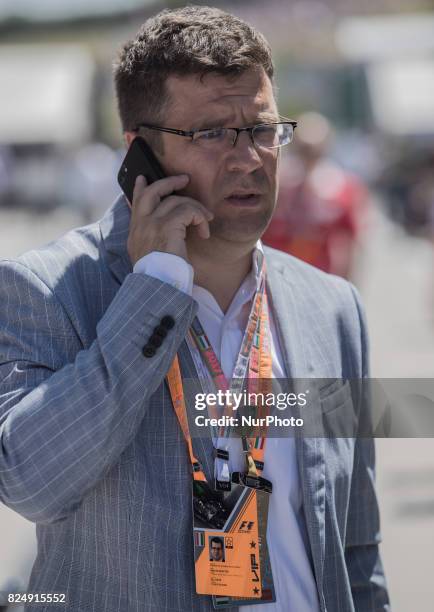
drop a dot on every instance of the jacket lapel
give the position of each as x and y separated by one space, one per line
294 337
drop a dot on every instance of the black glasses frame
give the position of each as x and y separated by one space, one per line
191 133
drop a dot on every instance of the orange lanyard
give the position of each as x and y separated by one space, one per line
174 381
260 372
259 381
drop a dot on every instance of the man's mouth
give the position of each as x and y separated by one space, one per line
243 198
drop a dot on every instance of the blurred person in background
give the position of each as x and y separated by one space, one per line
321 207
420 204
420 198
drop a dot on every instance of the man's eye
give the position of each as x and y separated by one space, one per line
265 135
215 134
265 130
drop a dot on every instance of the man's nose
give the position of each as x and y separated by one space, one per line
244 155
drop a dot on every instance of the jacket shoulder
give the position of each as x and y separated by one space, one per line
64 256
328 306
306 276
70 272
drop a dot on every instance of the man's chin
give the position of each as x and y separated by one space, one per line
248 228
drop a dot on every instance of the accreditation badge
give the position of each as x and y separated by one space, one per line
230 548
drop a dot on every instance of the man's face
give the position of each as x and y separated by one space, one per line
216 551
216 175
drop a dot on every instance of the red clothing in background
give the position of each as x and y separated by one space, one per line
317 216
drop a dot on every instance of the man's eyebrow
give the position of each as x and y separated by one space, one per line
267 116
262 117
209 123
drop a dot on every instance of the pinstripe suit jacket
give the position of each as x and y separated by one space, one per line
90 449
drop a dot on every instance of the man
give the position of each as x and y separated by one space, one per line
91 449
216 548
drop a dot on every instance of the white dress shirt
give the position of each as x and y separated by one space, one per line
287 542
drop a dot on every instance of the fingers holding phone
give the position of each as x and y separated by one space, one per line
147 197
160 218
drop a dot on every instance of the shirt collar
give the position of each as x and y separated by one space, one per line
258 263
252 282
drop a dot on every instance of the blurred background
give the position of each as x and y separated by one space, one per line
356 198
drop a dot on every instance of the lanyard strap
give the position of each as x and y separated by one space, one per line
174 381
208 357
261 383
207 363
254 357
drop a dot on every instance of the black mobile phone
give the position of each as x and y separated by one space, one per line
139 159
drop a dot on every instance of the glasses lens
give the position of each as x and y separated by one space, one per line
286 133
266 136
272 136
212 138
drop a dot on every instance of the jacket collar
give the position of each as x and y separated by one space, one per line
114 228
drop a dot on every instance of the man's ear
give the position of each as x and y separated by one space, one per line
129 137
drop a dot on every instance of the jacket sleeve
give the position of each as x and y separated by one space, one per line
364 565
66 415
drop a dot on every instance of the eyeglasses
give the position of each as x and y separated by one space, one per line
266 135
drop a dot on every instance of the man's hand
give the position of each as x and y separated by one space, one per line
159 219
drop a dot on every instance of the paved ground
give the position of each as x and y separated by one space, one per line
397 287
396 280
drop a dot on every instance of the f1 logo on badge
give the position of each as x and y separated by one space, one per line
246 526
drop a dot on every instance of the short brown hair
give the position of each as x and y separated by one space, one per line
188 40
